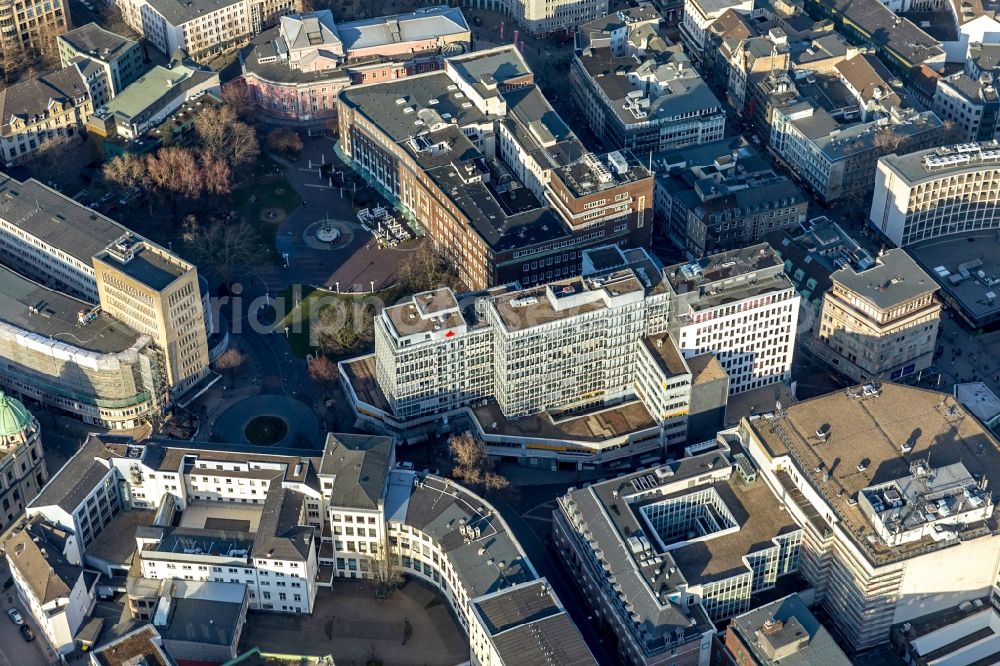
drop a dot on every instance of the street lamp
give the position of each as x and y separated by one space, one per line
338 287
286 332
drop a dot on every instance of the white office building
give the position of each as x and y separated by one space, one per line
898 518
579 370
937 192
740 306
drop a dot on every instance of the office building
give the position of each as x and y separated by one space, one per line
741 307
202 28
115 61
480 161
721 196
540 403
782 632
628 545
442 359
879 323
880 478
834 155
936 192
22 463
151 99
201 529
637 92
39 112
32 26
101 323
969 98
296 70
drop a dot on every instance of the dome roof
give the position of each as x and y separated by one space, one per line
14 417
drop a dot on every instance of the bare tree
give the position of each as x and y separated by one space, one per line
427 268
236 95
175 170
125 171
888 141
216 176
344 327
55 162
951 133
472 465
324 372
224 135
230 361
284 140
224 245
385 570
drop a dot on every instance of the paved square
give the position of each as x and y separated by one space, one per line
352 626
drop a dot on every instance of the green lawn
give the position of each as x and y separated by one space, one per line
310 303
263 190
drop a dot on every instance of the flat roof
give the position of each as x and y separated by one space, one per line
56 219
820 649
663 350
156 83
893 280
360 373
591 428
872 429
94 41
139 644
980 400
954 250
116 543
55 316
523 604
944 161
885 29
148 266
760 518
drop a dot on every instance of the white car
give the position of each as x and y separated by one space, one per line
15 616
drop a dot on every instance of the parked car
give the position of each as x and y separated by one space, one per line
15 616
405 465
28 634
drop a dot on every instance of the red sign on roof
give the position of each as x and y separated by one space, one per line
449 334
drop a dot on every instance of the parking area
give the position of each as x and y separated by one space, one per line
413 626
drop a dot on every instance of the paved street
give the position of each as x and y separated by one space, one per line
14 650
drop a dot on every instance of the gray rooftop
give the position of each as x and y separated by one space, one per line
37 553
979 249
93 40
893 280
177 12
53 315
552 641
886 30
427 23
80 475
797 626
30 100
187 621
55 219
871 429
438 508
683 91
282 533
360 464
